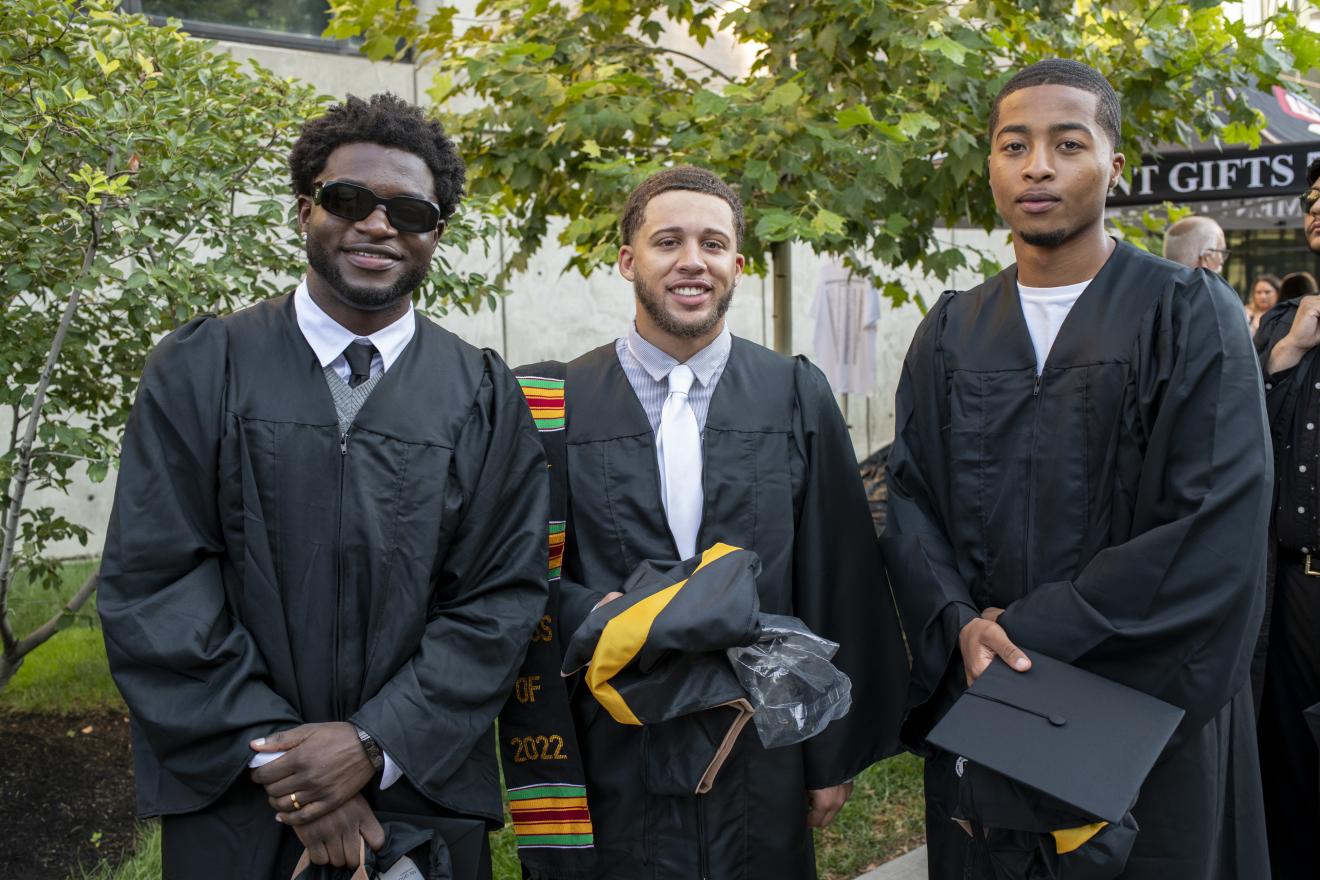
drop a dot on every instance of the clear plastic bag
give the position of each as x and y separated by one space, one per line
790 681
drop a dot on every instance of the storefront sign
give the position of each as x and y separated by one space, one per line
1230 174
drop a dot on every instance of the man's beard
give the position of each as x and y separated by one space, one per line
368 299
654 306
1051 239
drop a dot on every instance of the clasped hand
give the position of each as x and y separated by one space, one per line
314 788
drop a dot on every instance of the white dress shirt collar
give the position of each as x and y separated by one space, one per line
705 363
328 338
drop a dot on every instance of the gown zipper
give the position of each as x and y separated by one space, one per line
1031 482
339 576
703 858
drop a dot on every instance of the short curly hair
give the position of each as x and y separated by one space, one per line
684 177
1074 74
383 119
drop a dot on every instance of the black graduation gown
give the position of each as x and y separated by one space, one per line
261 571
781 479
1116 507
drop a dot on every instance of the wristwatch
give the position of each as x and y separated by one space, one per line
374 754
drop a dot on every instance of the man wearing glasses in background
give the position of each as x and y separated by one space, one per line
327 551
1198 243
1289 652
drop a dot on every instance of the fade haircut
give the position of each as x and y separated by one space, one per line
1063 72
386 120
683 177
1189 238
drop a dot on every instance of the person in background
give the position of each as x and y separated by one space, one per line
1288 680
1264 296
1196 242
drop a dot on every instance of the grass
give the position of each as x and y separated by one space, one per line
144 864
883 819
69 673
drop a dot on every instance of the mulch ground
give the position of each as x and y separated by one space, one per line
66 793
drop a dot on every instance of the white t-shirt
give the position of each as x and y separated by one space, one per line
1045 308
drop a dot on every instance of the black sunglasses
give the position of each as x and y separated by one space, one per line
1308 201
353 202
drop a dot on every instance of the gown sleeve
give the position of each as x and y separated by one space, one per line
576 600
1174 606
840 592
934 602
191 675
489 593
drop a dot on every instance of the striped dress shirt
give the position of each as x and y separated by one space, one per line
647 369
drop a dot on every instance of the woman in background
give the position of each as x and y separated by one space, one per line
1264 296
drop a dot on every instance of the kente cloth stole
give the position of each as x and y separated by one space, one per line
543 768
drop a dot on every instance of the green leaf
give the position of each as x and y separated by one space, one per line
851 117
591 148
913 124
783 96
950 49
827 222
774 225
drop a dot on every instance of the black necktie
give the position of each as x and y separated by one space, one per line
359 362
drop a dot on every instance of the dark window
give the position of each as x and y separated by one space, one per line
295 24
1257 252
305 17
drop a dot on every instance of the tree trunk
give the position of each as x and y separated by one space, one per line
13 656
781 256
8 669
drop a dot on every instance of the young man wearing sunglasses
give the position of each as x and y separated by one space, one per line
327 552
1287 673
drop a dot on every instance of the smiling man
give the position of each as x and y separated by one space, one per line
1081 469
680 435
327 551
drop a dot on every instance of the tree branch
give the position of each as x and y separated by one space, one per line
21 474
628 47
52 626
238 178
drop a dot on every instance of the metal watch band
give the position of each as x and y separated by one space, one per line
374 754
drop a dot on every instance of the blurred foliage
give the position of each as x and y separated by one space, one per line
855 127
143 182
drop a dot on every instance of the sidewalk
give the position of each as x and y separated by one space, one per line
906 867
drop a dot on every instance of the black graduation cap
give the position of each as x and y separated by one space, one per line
1082 740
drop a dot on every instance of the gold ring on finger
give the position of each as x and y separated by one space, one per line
294 798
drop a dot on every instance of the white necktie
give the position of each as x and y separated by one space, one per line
679 450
